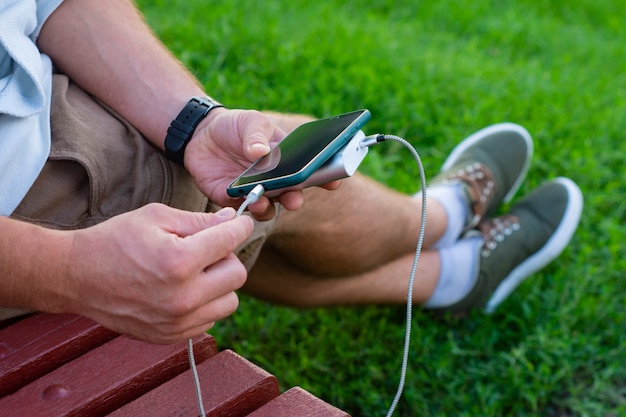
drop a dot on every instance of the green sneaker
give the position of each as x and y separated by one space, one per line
491 163
520 243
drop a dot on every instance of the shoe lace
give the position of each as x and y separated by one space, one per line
480 188
495 231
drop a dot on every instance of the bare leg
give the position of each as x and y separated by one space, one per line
275 279
352 245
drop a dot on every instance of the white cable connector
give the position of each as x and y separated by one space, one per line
255 194
371 140
252 197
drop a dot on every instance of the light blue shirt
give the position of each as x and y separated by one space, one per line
25 93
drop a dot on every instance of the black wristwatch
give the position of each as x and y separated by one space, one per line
180 131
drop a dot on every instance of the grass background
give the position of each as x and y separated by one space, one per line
434 72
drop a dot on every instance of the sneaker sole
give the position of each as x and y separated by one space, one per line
552 248
488 131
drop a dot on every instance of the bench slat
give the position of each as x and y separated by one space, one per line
231 386
296 402
105 378
38 344
67 365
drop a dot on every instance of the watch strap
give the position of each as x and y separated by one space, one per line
182 128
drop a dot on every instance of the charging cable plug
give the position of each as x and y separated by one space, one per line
255 194
252 197
372 140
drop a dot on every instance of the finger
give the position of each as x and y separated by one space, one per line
194 332
168 335
200 320
218 309
217 242
259 134
212 296
214 281
333 185
220 278
184 223
292 200
262 210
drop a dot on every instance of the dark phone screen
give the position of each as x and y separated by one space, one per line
298 148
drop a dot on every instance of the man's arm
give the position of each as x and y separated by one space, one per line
166 291
108 49
32 265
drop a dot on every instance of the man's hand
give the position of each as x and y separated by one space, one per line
156 273
223 146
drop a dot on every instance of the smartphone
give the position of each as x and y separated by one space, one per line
300 154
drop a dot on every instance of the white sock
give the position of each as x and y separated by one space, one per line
458 273
452 198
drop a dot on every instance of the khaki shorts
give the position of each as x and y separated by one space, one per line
100 166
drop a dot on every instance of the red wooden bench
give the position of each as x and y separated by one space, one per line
66 365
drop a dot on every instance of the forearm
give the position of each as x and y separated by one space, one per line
33 261
106 48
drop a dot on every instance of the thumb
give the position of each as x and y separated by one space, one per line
185 223
259 134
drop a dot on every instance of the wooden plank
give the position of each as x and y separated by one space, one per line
8 322
38 344
104 379
296 402
230 385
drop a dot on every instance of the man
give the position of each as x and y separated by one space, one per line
98 222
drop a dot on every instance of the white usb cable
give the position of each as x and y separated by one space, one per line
252 197
258 191
370 141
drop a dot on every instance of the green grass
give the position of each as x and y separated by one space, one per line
434 72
